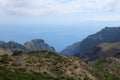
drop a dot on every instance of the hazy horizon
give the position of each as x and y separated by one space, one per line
59 37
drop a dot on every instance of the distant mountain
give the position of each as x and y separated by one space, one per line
106 35
38 45
34 45
13 46
103 51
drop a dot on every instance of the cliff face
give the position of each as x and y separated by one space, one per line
106 35
34 45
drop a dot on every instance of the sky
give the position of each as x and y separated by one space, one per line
59 22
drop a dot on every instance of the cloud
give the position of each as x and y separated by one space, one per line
107 5
39 7
63 7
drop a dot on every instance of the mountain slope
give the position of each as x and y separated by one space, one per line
71 49
106 35
103 51
107 69
42 65
3 51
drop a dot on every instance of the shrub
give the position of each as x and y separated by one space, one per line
5 59
16 53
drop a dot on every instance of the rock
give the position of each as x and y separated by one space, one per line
13 46
38 45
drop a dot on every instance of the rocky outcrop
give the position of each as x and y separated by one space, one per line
13 46
38 45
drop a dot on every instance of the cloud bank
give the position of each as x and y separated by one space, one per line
61 7
40 7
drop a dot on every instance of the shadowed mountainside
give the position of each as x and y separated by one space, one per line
103 51
106 35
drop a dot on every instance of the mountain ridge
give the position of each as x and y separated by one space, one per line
33 45
106 35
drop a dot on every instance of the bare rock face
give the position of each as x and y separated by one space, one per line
13 46
38 45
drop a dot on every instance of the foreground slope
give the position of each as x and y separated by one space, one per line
107 69
42 65
3 52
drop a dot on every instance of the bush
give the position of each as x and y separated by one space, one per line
5 59
16 53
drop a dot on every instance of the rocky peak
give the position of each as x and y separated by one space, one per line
38 45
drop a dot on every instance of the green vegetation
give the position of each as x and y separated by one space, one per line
6 74
5 59
38 60
103 74
43 65
16 53
87 78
